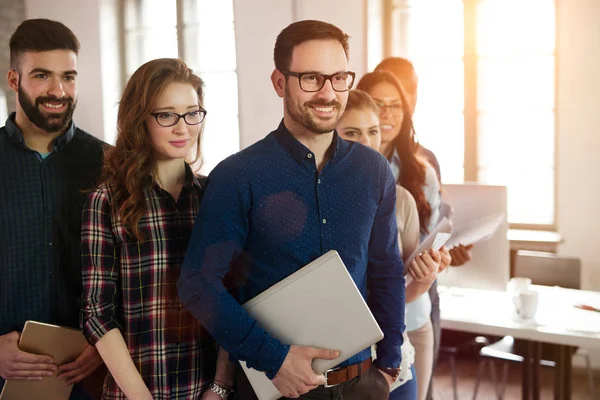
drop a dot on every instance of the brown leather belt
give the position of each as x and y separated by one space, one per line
335 376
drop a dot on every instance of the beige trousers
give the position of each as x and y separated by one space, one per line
422 341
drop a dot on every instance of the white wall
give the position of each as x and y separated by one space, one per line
579 134
82 17
578 138
257 24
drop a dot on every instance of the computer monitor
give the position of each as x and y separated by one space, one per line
490 265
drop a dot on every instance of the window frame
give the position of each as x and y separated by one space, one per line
202 166
400 8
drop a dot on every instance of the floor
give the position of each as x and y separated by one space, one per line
467 369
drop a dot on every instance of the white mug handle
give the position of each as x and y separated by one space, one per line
517 303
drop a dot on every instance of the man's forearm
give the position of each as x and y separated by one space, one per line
231 326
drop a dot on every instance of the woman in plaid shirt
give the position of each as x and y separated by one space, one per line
135 232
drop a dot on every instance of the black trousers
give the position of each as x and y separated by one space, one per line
369 386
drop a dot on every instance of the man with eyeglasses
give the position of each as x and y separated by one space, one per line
284 201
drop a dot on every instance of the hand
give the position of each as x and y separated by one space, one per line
424 268
389 379
17 364
461 255
446 259
82 367
296 376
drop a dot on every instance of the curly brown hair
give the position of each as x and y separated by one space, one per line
413 168
129 166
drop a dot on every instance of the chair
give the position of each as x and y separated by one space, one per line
451 351
546 269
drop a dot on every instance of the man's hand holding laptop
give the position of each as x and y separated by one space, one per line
296 376
19 365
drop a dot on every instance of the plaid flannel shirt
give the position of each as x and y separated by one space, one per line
131 285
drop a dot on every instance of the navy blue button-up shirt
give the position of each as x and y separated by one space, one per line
267 212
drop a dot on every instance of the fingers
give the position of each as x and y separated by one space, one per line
324 353
423 267
319 380
468 247
23 371
28 358
74 365
77 376
460 255
428 263
20 366
415 270
436 256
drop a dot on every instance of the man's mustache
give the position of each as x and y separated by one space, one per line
54 99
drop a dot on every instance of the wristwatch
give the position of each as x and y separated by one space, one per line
219 391
393 372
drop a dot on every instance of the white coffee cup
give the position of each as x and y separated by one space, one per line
526 303
518 284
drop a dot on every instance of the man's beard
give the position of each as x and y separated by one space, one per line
50 123
303 118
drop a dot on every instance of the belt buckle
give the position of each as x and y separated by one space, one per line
327 385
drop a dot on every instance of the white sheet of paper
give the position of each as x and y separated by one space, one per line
435 240
475 231
446 211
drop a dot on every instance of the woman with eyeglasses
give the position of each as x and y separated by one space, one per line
135 232
399 146
360 123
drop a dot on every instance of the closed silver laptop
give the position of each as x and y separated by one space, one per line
318 306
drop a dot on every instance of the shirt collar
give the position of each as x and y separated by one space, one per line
17 136
191 179
298 151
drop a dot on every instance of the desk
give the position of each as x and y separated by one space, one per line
557 322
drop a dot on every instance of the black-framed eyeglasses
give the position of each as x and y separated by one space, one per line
313 82
166 119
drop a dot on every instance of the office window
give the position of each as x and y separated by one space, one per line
486 95
201 32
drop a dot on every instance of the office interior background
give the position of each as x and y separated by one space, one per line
509 89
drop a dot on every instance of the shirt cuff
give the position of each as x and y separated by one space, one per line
94 329
389 354
270 356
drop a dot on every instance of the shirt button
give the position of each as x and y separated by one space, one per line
49 243
324 221
318 181
309 155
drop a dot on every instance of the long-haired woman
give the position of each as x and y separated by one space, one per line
360 123
399 146
135 231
